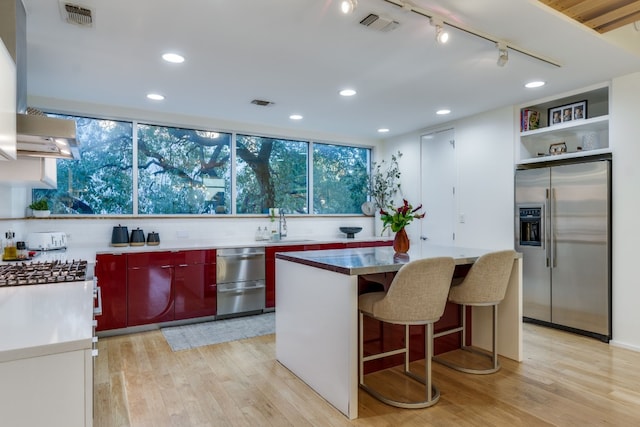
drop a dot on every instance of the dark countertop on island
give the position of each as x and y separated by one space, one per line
377 259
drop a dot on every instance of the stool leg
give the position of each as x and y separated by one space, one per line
463 337
406 348
495 337
428 354
361 346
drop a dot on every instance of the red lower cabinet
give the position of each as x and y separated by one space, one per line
195 284
111 272
149 288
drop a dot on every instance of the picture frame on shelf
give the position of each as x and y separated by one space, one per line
567 113
557 148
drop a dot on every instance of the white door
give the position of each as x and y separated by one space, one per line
438 178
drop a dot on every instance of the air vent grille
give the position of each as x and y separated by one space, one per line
379 23
76 14
261 102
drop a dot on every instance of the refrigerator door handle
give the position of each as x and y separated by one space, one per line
553 227
546 217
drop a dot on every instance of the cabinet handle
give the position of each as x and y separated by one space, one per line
97 311
94 352
166 266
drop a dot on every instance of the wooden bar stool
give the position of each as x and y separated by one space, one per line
417 296
485 285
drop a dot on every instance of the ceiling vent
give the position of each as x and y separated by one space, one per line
261 102
379 23
76 14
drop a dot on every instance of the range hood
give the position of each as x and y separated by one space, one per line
37 134
42 136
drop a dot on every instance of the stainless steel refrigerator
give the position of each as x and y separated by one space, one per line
563 230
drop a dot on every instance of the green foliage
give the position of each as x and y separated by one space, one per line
398 218
40 205
339 174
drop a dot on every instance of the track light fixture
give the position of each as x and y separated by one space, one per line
348 6
503 54
442 36
455 24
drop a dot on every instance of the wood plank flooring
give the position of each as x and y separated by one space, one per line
564 380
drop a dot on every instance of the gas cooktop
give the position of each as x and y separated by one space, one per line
38 273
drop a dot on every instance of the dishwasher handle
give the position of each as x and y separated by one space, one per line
240 287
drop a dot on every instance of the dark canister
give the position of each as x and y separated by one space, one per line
137 237
120 236
153 239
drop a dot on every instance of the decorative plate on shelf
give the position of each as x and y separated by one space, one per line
368 208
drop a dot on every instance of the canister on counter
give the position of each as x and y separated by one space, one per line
21 250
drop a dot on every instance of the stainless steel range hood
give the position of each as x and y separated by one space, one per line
42 136
38 135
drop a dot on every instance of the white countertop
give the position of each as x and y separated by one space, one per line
44 319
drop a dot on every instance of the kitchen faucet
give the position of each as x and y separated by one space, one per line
282 225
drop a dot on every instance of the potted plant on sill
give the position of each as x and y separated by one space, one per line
40 208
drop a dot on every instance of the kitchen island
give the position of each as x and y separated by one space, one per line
317 315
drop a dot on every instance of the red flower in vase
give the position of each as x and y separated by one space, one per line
399 218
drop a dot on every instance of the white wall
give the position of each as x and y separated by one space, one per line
625 93
485 154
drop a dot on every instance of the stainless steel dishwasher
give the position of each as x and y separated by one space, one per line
240 281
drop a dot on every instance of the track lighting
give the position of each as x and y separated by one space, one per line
348 6
503 54
442 36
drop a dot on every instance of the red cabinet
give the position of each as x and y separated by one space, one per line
270 259
149 288
194 283
111 272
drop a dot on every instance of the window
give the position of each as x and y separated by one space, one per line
183 171
189 171
270 173
339 178
101 182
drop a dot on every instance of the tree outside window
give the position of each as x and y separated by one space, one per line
183 171
339 178
270 173
101 182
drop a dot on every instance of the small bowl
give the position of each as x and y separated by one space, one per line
350 231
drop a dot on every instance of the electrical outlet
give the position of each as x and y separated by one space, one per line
461 218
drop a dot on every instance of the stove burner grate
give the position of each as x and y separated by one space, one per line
38 273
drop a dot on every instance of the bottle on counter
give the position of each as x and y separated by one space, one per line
10 246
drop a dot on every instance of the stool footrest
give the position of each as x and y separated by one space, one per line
448 331
386 354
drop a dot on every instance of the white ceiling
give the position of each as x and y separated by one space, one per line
300 53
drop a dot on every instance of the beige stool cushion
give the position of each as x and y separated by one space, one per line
417 294
487 280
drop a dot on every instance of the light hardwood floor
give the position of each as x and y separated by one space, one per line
564 380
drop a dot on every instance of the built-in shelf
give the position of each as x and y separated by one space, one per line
583 137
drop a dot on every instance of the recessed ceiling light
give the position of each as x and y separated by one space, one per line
533 84
155 96
443 112
348 6
383 130
347 92
295 117
173 57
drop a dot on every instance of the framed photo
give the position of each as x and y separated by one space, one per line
580 110
567 113
558 148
